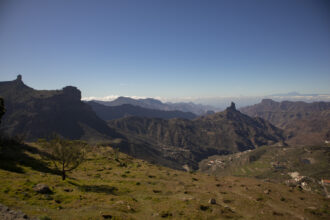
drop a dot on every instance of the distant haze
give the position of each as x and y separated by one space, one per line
223 102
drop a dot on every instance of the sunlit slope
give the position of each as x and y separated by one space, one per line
127 188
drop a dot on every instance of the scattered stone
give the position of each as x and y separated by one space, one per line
165 214
267 191
106 216
129 208
227 201
187 198
186 167
155 214
305 186
7 213
277 213
42 188
212 201
58 201
227 210
67 190
120 202
204 207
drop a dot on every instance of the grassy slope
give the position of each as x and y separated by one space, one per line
134 189
274 163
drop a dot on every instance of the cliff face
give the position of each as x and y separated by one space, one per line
40 113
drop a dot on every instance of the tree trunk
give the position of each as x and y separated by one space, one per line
63 173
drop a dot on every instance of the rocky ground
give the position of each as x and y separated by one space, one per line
10 214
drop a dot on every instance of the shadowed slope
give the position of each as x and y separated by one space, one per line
115 112
34 113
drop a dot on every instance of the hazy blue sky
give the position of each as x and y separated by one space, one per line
168 48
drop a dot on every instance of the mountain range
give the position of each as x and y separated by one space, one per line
120 111
303 123
150 103
189 141
166 137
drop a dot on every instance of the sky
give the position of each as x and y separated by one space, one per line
168 48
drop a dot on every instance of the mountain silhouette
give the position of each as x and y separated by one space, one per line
41 113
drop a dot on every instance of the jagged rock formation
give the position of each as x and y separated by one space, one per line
304 123
40 113
189 141
115 112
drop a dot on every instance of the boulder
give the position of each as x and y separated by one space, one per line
67 190
212 201
267 191
42 188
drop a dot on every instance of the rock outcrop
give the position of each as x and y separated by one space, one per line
42 188
37 114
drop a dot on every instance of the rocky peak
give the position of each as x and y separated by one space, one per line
18 81
19 78
72 92
232 107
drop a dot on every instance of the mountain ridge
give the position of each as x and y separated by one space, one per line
40 113
304 123
151 103
115 112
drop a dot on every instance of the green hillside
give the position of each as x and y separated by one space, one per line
297 166
116 186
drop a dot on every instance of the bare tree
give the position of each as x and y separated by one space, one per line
66 155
